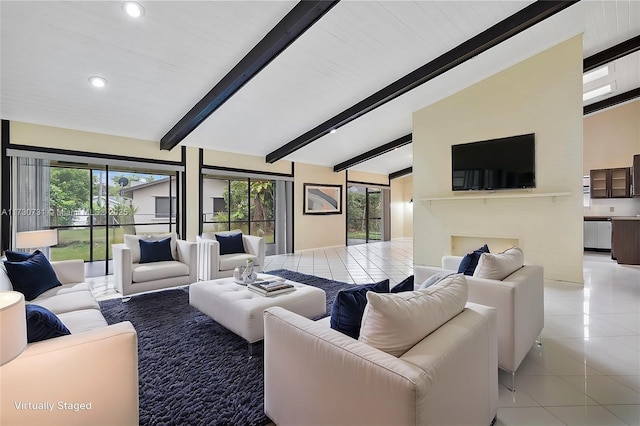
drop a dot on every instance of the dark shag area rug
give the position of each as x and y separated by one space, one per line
192 370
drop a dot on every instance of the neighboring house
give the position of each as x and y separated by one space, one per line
212 198
155 202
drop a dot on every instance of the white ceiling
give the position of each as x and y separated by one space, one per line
160 65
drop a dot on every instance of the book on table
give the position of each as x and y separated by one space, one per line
271 287
271 284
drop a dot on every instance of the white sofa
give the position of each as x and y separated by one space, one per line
518 298
213 265
133 277
315 375
96 364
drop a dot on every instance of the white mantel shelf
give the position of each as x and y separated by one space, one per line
494 196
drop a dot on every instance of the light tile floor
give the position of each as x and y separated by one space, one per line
586 373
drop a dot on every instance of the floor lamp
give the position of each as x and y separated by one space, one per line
37 240
13 325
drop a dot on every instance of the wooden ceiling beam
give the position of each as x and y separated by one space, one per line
293 25
401 173
383 149
618 51
612 101
505 29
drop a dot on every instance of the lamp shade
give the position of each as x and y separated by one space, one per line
13 325
37 239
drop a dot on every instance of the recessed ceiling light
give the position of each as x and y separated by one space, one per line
597 92
595 74
97 81
332 131
133 9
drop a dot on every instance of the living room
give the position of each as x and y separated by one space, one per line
540 92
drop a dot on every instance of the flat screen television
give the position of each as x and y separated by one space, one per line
505 163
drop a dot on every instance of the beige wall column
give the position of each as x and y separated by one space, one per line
541 95
317 231
619 126
611 139
401 207
192 176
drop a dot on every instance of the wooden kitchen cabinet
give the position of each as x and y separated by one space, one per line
626 240
611 183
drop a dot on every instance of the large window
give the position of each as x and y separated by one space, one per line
93 206
365 211
244 204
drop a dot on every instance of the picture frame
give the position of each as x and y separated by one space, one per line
321 199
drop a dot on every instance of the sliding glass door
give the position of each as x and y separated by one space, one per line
365 212
374 214
93 206
247 205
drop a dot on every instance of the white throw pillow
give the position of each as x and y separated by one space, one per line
395 322
499 266
133 243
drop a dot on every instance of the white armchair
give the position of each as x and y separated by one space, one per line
213 265
519 299
132 277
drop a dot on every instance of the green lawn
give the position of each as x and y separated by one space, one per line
361 235
74 243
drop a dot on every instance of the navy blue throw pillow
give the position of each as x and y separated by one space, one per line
405 285
32 276
18 256
155 250
348 307
42 324
469 262
231 243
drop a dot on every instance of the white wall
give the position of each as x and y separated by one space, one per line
541 95
76 140
617 128
401 207
611 138
316 231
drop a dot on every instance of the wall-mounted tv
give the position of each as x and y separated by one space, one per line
505 163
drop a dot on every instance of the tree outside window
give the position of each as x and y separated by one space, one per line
244 204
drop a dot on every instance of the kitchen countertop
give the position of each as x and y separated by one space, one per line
605 218
596 218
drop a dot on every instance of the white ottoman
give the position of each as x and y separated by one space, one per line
240 310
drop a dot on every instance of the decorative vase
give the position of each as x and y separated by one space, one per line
244 274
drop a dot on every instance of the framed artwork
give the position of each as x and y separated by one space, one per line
322 199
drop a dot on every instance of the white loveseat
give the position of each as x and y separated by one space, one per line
213 265
133 277
315 375
97 364
518 298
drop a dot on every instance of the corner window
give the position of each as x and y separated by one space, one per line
244 204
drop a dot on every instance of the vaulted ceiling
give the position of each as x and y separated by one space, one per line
159 66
